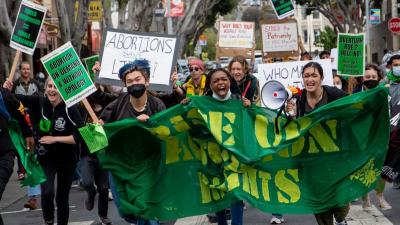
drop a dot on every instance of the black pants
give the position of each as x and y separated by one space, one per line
92 173
64 181
6 169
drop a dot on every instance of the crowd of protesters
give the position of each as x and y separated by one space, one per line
53 134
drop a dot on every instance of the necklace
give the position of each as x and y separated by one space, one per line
141 109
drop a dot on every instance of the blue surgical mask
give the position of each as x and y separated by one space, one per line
396 71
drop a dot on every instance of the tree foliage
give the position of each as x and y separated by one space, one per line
327 39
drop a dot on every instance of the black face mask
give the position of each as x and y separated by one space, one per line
136 90
370 83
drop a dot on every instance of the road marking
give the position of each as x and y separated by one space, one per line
27 210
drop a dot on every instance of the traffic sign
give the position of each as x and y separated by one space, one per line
394 25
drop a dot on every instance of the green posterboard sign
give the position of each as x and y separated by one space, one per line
283 8
351 54
89 63
27 27
68 73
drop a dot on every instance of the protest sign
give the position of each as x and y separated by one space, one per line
283 8
121 47
334 58
95 12
206 155
351 54
89 63
175 8
68 74
289 73
235 34
27 27
279 38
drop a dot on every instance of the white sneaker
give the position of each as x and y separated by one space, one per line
110 196
383 204
276 220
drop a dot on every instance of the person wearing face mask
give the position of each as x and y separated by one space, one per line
313 96
57 150
136 103
337 82
392 164
371 79
245 85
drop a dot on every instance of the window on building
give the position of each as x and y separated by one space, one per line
303 13
317 33
315 14
305 36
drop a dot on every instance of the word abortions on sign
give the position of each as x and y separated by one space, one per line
68 74
236 34
121 47
289 73
351 54
27 27
279 37
283 8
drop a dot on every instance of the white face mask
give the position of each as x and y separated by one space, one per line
227 97
396 71
338 86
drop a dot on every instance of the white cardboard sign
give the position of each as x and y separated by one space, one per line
122 47
289 73
236 34
279 37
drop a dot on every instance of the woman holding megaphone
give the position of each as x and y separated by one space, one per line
315 95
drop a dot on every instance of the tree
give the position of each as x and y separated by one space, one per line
346 16
327 39
72 26
8 13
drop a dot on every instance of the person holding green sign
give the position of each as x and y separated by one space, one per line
313 96
136 103
56 147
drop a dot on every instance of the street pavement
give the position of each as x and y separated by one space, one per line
14 198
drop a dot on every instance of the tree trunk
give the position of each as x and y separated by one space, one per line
122 4
140 15
107 13
63 21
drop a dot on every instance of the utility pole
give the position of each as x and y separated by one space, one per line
169 18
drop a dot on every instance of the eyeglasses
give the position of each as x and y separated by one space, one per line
194 68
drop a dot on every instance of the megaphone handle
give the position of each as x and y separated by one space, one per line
276 119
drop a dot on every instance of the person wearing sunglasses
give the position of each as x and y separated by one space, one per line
196 82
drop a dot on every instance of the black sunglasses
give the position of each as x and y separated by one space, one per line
194 68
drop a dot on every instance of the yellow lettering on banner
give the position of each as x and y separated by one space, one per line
332 126
233 181
179 124
323 139
214 152
266 158
261 127
265 177
251 178
305 122
287 186
312 148
234 165
173 150
195 148
204 189
297 146
291 131
161 132
197 118
284 153
216 125
215 192
187 154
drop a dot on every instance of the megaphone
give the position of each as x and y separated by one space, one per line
274 94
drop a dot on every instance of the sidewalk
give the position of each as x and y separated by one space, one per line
13 191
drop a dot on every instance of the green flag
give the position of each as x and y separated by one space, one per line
34 172
202 157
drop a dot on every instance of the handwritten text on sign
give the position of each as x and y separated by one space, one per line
279 37
236 34
121 48
289 73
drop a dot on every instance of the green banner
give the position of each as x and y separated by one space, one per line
34 172
199 158
27 27
283 8
351 54
67 71
89 63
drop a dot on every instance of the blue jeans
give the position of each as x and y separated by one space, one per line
236 214
130 218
